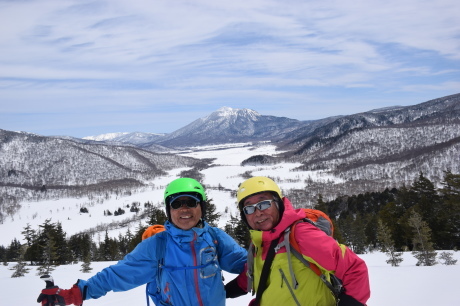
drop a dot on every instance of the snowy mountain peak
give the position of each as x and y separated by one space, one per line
228 113
105 137
230 125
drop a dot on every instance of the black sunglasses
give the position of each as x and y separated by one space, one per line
262 205
190 203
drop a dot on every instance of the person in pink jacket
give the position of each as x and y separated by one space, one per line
319 271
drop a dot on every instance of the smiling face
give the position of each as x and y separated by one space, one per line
262 220
185 217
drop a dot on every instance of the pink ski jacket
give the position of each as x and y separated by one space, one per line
316 247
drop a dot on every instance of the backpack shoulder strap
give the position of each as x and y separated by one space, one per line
333 283
296 248
212 232
160 249
250 267
266 270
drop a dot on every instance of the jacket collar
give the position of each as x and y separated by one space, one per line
180 235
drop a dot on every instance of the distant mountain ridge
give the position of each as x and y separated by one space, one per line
126 137
228 125
385 145
29 162
388 146
438 110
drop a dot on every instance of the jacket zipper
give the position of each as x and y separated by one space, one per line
283 276
195 272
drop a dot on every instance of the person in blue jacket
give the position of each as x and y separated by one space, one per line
181 265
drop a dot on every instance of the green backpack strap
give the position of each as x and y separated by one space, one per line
333 283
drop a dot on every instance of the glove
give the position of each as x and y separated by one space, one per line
57 296
238 286
253 303
347 300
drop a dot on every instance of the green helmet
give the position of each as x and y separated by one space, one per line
186 186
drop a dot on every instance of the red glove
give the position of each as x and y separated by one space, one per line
58 296
253 302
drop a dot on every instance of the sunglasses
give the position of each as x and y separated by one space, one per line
190 203
262 205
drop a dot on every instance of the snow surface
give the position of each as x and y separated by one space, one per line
404 285
390 286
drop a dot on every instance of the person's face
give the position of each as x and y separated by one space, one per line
262 220
185 217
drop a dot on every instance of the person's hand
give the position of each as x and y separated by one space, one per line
57 296
253 302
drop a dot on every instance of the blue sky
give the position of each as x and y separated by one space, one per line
83 68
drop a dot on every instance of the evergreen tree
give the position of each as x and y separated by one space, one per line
242 234
393 216
427 202
238 230
449 234
353 232
49 256
109 249
20 268
423 247
337 232
63 253
86 265
321 205
3 255
387 244
14 250
157 216
129 236
123 245
79 246
446 258
137 238
29 234
230 226
371 230
45 234
211 216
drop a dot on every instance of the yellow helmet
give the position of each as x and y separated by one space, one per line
255 185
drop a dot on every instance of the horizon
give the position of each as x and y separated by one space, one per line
89 68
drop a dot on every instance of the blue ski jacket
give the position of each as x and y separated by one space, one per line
189 272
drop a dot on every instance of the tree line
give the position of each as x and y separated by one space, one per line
419 218
47 246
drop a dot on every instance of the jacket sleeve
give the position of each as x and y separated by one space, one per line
237 286
232 257
323 249
137 268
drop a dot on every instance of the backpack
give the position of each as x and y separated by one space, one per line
317 218
152 230
152 289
